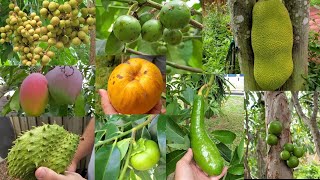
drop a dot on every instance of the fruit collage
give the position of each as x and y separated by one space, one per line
159 89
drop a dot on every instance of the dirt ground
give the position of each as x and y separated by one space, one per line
3 172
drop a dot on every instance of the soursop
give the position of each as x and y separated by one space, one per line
48 145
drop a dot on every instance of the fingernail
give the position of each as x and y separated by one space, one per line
41 173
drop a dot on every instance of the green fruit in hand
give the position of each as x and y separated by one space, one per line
48 145
152 30
272 41
114 45
144 17
284 155
275 127
162 49
172 37
288 147
127 28
175 15
293 162
272 139
145 154
205 151
298 151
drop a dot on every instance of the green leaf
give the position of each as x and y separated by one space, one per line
123 146
160 172
188 94
237 169
113 45
224 151
14 102
240 149
161 135
173 108
174 132
172 159
107 163
79 106
196 59
224 136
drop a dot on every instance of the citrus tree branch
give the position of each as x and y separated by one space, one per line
126 164
187 68
136 52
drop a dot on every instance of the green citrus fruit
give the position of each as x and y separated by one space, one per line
284 155
175 15
293 162
275 127
151 30
272 139
173 36
298 151
127 28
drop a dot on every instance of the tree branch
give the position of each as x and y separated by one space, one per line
187 68
136 52
298 107
315 106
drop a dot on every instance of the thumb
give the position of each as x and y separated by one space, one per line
43 173
188 156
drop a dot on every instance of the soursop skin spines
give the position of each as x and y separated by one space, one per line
48 145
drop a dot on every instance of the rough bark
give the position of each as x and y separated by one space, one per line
311 121
241 24
277 108
247 173
92 34
299 15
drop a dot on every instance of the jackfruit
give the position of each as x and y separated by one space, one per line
272 41
48 145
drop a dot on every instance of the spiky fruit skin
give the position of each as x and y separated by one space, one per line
65 83
34 94
173 36
175 15
152 30
127 28
48 145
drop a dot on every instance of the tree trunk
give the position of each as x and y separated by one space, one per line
299 15
261 141
277 108
241 24
247 173
311 122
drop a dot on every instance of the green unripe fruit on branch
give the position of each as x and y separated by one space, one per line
144 17
145 154
298 151
293 162
205 151
284 155
272 139
48 145
162 49
152 30
175 15
127 28
173 36
288 147
275 127
272 41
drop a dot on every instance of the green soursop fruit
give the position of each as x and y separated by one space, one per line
172 36
272 41
65 83
127 28
175 15
48 145
152 30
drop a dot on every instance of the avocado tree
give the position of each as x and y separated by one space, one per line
241 23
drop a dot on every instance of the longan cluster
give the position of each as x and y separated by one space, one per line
66 25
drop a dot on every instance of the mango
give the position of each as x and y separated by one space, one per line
34 94
65 83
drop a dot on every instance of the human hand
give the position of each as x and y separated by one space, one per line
109 109
187 169
72 167
43 173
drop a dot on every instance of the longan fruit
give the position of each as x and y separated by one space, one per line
50 54
76 41
55 21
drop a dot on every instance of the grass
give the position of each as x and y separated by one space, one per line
231 118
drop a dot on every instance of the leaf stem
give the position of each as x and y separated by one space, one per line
212 78
126 164
132 7
140 126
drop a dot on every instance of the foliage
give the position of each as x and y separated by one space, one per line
66 56
308 171
110 157
217 38
12 76
182 88
314 2
313 79
186 53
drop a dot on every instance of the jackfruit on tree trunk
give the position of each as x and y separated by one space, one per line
48 145
272 41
